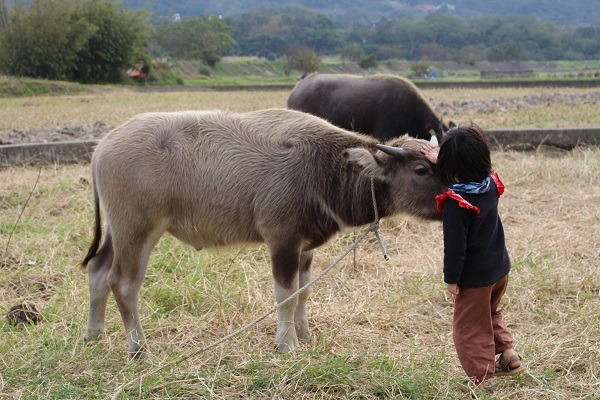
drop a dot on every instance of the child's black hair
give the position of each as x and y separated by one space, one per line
464 155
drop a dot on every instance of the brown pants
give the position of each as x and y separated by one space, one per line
479 330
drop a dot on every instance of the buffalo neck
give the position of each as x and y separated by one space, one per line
355 203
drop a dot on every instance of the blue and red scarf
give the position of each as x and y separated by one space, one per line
471 187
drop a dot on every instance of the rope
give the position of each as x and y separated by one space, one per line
376 228
5 256
373 227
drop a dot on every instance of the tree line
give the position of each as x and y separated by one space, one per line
438 37
97 40
560 12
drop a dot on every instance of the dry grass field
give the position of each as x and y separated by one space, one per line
540 107
379 329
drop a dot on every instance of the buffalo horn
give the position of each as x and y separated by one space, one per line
433 141
396 152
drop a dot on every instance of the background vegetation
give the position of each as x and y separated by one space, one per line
565 12
438 36
378 329
98 40
89 42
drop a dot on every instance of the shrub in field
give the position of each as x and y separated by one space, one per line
204 70
91 41
301 58
367 62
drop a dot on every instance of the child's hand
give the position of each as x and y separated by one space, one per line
430 153
452 288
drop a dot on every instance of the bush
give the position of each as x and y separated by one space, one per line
302 59
421 68
204 70
367 62
118 43
83 41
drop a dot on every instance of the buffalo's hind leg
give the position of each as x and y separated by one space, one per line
285 261
98 269
132 252
304 277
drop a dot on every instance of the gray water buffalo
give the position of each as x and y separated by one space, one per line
210 178
383 106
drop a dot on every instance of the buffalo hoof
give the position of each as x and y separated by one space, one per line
285 348
139 355
302 332
93 336
285 339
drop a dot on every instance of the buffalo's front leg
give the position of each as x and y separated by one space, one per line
285 274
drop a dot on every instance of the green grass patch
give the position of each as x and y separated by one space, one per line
22 87
349 376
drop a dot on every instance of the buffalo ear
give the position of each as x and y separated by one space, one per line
359 157
365 161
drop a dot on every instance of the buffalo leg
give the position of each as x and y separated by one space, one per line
125 280
98 269
304 277
285 273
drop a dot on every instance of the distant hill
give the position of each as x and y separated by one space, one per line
560 12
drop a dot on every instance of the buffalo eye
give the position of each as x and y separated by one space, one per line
421 170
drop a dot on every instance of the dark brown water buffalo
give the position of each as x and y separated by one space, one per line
383 106
282 177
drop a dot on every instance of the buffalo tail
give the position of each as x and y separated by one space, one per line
93 250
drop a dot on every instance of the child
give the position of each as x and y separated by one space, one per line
476 262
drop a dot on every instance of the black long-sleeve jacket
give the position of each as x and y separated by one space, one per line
475 253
